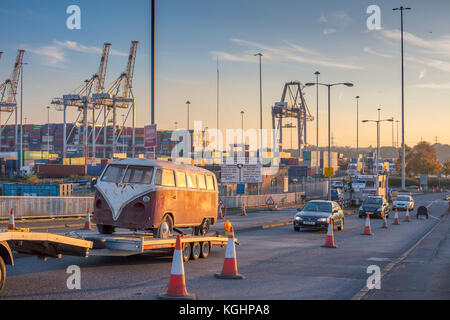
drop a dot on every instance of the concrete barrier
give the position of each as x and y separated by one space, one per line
33 207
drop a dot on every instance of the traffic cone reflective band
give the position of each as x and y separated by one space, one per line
407 216
329 241
229 270
220 213
275 208
385 224
177 283
11 224
244 212
396 217
367 230
87 221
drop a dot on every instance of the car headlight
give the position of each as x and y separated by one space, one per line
322 220
298 218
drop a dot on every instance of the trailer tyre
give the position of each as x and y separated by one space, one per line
186 252
105 229
205 249
2 274
195 250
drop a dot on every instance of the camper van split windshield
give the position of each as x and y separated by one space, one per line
130 174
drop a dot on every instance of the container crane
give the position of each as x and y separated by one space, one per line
8 92
292 105
81 99
120 95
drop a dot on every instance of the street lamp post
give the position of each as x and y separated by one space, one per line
357 129
403 97
317 124
48 129
260 116
188 103
242 129
378 142
348 84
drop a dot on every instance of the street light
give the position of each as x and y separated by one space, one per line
188 103
403 97
48 129
347 84
242 128
317 124
357 129
378 141
260 104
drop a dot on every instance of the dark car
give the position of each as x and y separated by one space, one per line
316 215
375 206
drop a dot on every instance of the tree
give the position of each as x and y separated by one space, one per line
446 168
420 159
424 159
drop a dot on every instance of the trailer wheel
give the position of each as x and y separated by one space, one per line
195 250
206 249
186 252
105 229
2 274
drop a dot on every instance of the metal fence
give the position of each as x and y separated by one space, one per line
25 207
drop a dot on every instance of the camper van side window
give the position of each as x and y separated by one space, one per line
192 181
201 182
181 179
114 174
210 182
168 178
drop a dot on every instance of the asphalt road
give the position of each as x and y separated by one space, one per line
278 263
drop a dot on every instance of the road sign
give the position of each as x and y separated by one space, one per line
150 136
329 172
269 201
221 204
241 173
240 188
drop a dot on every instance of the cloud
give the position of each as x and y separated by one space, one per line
289 53
322 18
422 73
52 56
375 53
433 85
75 46
340 18
329 31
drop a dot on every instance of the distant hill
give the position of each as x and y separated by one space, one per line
442 150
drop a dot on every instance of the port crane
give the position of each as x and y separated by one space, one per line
291 106
8 93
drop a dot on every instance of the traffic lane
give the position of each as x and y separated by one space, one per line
270 256
279 263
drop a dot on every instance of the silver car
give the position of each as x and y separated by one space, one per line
316 215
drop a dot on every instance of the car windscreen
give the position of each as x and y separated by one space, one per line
402 199
114 173
318 207
372 201
139 175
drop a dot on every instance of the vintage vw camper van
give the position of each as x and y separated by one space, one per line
156 196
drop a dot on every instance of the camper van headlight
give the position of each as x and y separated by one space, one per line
146 199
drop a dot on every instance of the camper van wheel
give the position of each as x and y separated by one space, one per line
195 250
2 274
203 228
105 229
165 229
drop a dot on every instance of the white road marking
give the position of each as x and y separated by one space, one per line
378 259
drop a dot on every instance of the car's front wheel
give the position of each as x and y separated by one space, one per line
165 229
296 228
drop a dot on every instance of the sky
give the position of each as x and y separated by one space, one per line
297 38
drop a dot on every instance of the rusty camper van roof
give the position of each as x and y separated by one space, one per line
159 164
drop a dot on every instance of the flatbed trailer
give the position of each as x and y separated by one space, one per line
85 244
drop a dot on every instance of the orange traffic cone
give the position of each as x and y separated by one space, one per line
87 221
229 270
385 223
244 212
329 241
407 216
220 213
11 224
396 217
177 283
367 230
